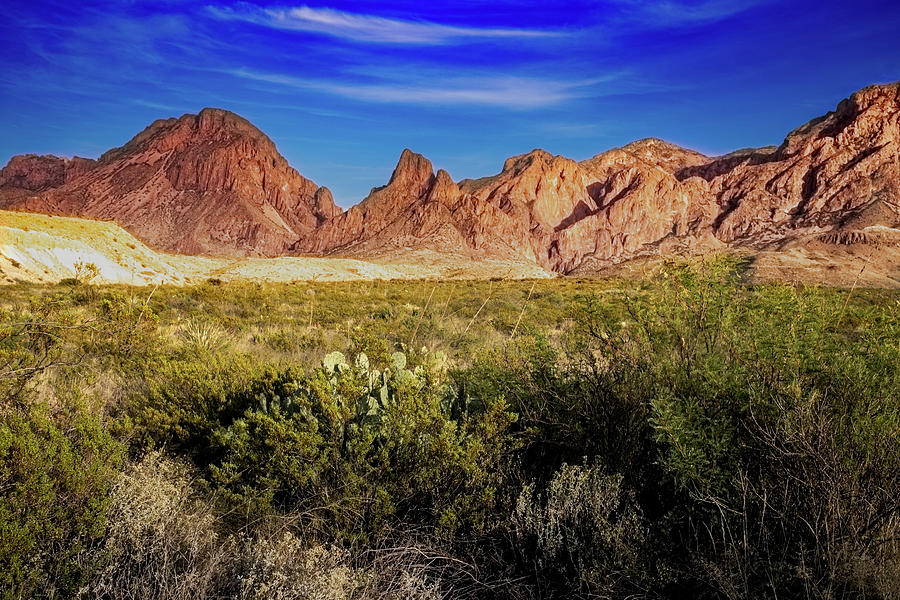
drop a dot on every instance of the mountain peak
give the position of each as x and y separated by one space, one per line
444 189
412 169
863 117
666 155
205 183
655 143
210 124
523 161
219 119
212 183
868 95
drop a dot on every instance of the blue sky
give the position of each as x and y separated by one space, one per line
342 88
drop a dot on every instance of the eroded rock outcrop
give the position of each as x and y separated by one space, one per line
38 173
835 172
549 209
605 207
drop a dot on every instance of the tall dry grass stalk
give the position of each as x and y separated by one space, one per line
162 541
480 308
524 306
147 303
447 303
853 287
421 316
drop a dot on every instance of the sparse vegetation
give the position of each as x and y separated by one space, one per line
682 436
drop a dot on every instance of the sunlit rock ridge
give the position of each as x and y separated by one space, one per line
213 184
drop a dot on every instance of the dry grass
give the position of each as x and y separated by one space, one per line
164 542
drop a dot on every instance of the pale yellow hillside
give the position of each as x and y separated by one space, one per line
41 248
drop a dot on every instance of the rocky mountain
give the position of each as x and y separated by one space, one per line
417 208
838 173
213 183
210 183
544 208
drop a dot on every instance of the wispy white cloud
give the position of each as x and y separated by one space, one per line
167 108
366 28
665 14
512 92
573 130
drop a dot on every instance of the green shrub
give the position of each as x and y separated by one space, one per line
781 428
685 436
56 472
353 448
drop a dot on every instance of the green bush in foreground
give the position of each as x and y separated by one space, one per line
354 449
56 471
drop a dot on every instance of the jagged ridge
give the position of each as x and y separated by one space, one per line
212 183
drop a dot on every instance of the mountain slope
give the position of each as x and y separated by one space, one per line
548 209
826 175
202 184
42 248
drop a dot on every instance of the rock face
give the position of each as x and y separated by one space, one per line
38 173
839 173
548 209
418 207
210 183
411 180
835 172
213 184
540 207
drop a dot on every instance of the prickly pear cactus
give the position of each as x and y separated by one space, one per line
399 360
378 389
284 404
335 362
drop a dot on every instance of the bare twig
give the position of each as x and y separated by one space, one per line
147 303
853 287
